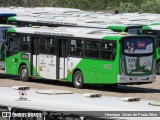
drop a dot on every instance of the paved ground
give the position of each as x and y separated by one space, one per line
147 91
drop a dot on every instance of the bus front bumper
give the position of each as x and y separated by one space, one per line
125 79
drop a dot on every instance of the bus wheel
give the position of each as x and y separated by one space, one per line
78 80
158 68
23 73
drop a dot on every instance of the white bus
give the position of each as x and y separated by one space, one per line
23 103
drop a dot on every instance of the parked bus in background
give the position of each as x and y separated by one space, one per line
23 103
154 30
5 15
130 28
3 33
27 21
80 55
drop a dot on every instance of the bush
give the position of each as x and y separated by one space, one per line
127 7
150 6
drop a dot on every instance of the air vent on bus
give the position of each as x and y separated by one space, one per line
53 92
92 95
20 87
130 99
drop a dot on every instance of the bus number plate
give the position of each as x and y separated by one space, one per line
107 66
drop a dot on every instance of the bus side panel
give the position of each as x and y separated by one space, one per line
95 71
14 63
24 59
46 66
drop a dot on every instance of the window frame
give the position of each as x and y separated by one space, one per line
29 43
48 45
113 41
77 39
91 40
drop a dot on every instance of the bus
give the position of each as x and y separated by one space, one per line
4 15
3 31
28 21
130 28
19 103
154 30
80 56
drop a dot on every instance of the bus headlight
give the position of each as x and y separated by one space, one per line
122 67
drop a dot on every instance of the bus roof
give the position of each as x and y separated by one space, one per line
93 23
7 13
4 25
151 27
69 31
69 102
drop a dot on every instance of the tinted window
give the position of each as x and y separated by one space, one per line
108 51
92 49
4 34
136 31
25 43
48 45
14 44
76 47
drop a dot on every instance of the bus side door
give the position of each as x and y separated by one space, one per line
12 54
62 60
34 54
47 59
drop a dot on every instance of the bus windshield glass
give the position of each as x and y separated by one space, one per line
136 31
138 45
2 50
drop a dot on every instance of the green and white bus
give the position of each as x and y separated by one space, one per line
80 55
154 30
28 21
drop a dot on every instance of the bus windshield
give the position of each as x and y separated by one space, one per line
136 31
2 50
138 45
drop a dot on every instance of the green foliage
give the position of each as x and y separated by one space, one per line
121 5
127 7
151 6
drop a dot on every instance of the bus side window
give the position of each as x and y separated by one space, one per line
48 45
25 41
76 48
92 49
108 50
14 44
4 33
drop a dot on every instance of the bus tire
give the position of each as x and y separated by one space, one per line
23 73
158 68
78 80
